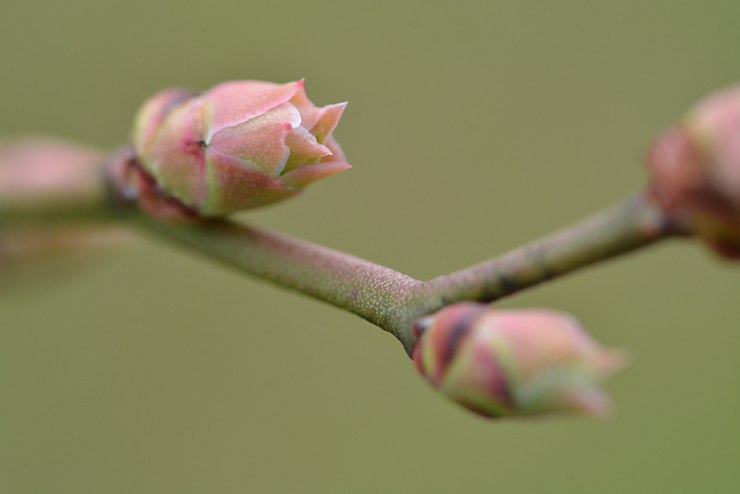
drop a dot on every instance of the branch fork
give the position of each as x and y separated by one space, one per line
195 157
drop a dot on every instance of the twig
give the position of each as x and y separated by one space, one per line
387 298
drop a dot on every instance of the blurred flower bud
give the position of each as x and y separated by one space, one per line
239 145
695 170
50 175
501 363
40 171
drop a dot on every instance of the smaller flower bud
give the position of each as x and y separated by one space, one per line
502 363
44 174
239 145
44 171
695 171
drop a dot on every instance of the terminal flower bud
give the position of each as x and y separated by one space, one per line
695 171
503 363
239 145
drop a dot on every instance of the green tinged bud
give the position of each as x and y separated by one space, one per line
506 363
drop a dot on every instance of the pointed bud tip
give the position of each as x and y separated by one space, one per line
260 132
307 174
610 361
590 402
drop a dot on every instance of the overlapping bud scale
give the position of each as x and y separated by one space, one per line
501 363
239 145
695 171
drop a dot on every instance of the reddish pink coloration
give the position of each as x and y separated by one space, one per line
309 112
304 175
240 145
175 156
304 148
695 171
336 152
231 176
157 108
714 126
676 168
130 182
48 170
513 362
236 102
328 119
540 338
157 205
261 140
451 324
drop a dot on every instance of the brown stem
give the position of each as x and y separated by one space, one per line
626 227
371 291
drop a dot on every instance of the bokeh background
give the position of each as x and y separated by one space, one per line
472 127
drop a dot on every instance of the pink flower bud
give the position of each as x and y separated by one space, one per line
501 363
239 145
43 170
695 170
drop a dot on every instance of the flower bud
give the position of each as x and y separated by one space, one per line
695 171
501 363
239 145
42 171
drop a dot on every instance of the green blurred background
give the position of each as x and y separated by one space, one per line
472 127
